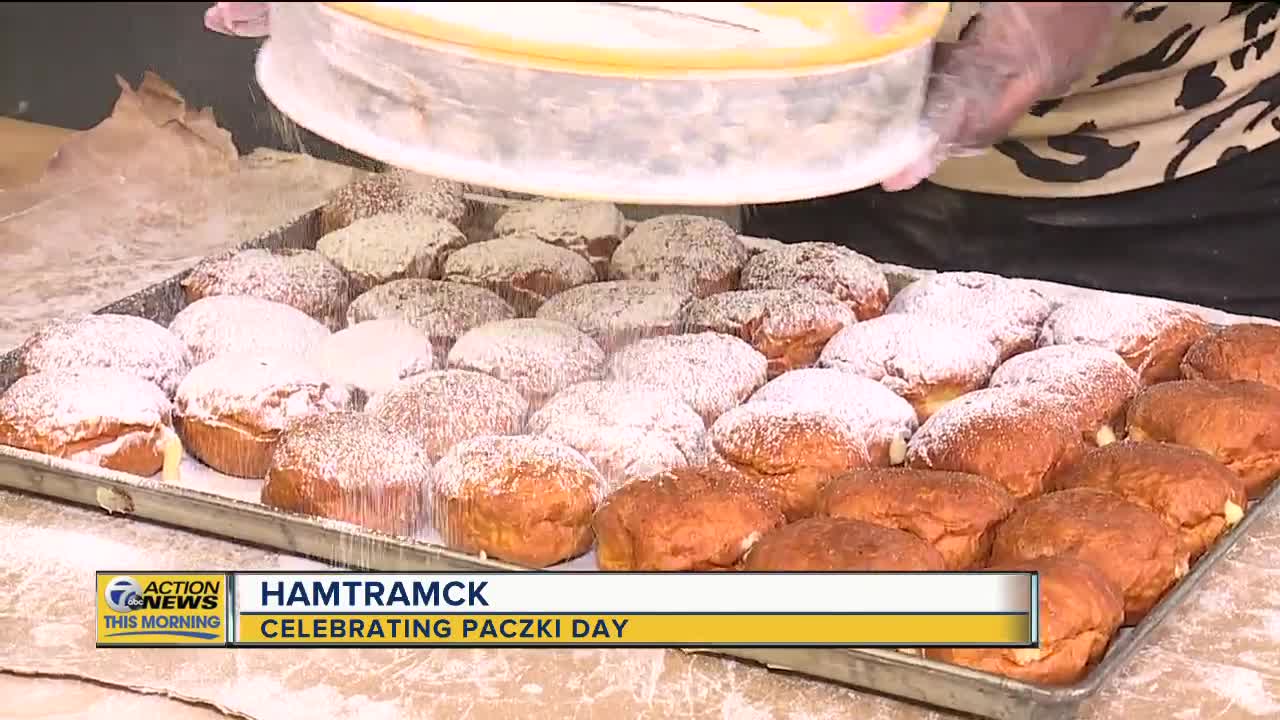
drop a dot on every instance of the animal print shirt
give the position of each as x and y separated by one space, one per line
1183 87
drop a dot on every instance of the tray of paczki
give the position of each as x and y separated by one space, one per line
567 389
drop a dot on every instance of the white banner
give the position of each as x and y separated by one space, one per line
601 592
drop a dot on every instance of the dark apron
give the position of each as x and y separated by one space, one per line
1212 238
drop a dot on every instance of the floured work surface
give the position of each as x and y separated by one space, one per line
1216 657
210 502
141 197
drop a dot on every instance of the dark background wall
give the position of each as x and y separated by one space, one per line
58 62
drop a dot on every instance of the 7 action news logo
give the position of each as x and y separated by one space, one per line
123 594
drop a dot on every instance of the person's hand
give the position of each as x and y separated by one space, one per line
1012 56
239 19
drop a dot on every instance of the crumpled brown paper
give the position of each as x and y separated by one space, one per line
151 137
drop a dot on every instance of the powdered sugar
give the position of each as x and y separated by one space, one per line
854 279
538 357
1008 313
627 430
767 434
397 191
130 344
303 279
68 406
443 408
352 451
391 246
248 325
489 464
700 254
618 313
1074 370
1131 326
911 353
712 372
442 310
260 391
590 229
374 355
873 411
523 270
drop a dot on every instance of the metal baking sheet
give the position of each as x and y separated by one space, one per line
208 502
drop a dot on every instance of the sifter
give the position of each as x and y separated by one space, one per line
670 103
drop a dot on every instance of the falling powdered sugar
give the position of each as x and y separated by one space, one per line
538 357
1006 312
618 313
908 353
854 279
712 372
260 391
700 254
248 325
130 344
490 465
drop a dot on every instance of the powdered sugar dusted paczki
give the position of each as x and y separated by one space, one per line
491 465
789 327
855 279
590 229
1151 335
391 246
260 392
374 355
442 310
627 430
1016 436
882 419
699 254
1008 313
131 344
522 270
538 357
248 325
303 279
444 408
925 361
84 414
712 372
618 313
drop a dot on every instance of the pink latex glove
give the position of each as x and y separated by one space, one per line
239 19
1012 56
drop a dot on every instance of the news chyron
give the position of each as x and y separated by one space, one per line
568 609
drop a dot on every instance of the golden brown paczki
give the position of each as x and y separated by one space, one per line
1197 495
956 513
1249 351
788 452
522 499
827 544
1080 611
352 467
1235 421
1131 545
694 518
